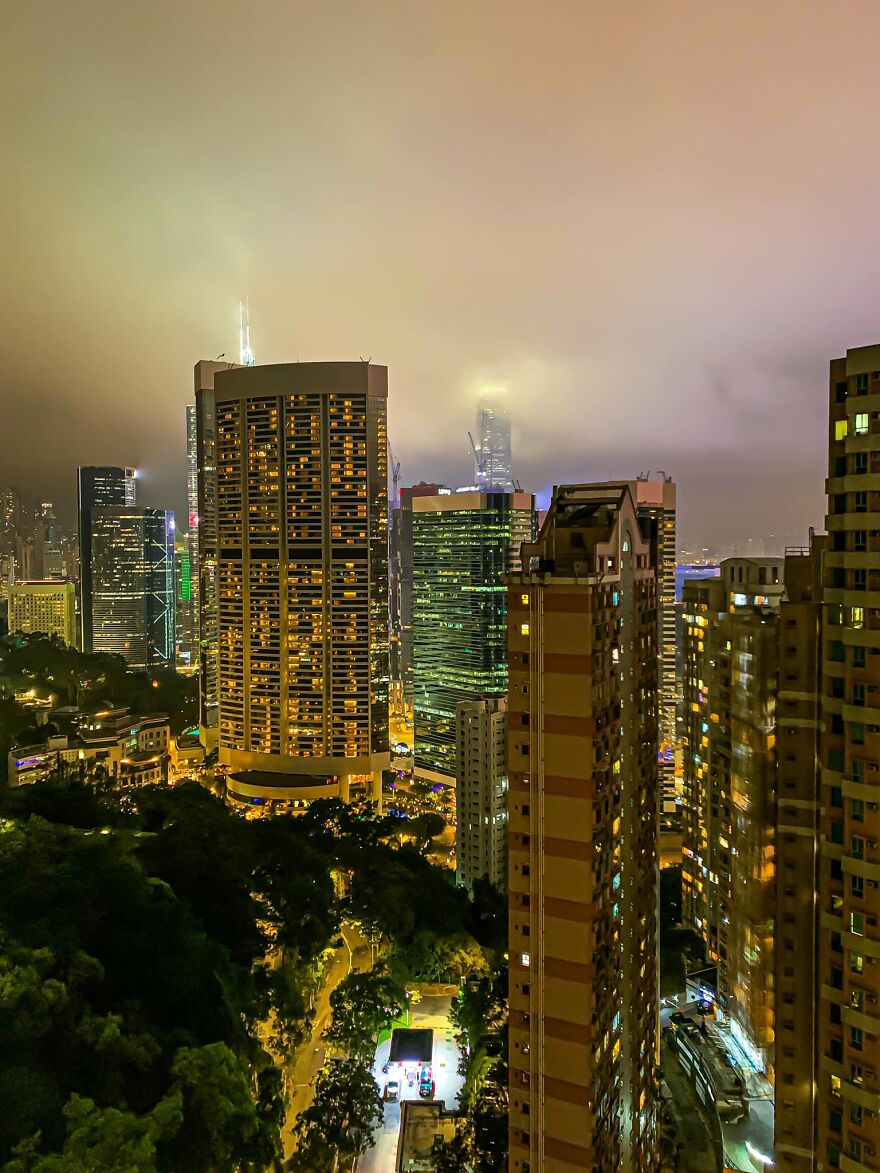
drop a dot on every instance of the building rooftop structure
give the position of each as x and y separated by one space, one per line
422 1124
411 1045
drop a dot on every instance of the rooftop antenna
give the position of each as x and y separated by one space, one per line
244 335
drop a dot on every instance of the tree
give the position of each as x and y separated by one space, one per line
363 1004
340 1121
424 829
223 1127
102 1140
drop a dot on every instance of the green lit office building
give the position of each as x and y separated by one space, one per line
462 545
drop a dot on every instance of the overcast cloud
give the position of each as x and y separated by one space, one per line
654 222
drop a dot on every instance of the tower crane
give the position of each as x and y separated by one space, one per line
395 477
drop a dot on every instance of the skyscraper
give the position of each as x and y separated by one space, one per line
492 453
582 760
132 591
731 683
848 1039
206 513
401 586
797 857
481 792
293 544
97 488
192 488
462 545
656 509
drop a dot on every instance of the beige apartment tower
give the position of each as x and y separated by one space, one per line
44 605
655 502
293 550
848 1037
582 760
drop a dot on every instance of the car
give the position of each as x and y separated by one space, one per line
392 1090
426 1090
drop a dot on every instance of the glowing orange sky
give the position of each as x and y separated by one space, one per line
653 222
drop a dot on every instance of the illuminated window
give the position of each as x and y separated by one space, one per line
860 426
856 962
524 598
524 629
840 428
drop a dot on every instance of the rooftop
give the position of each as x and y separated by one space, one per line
411 1046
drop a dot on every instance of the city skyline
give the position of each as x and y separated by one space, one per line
660 245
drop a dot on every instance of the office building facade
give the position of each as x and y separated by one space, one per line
47 607
294 558
193 502
97 488
131 598
401 588
481 792
206 511
463 543
582 761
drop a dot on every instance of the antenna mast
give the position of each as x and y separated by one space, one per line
246 355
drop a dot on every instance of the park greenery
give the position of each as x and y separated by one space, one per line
480 1017
45 667
159 963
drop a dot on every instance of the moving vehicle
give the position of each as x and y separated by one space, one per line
426 1084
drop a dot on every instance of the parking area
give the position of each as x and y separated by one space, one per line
431 1013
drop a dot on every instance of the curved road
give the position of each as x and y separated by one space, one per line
354 954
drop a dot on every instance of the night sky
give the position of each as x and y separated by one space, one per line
653 222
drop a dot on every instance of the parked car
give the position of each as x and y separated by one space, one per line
392 1090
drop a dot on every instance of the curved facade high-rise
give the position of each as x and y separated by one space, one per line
293 533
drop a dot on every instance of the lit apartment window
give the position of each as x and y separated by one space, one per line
840 429
524 629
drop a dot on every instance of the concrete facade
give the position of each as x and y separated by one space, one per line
582 756
481 792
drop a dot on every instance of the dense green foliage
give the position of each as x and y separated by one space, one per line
339 1124
480 1015
363 1005
157 964
50 668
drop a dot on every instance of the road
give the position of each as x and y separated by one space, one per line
433 1013
699 1155
354 954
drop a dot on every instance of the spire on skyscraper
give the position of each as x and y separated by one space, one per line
247 358
492 454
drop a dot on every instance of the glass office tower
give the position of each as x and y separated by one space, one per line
462 545
97 488
132 585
